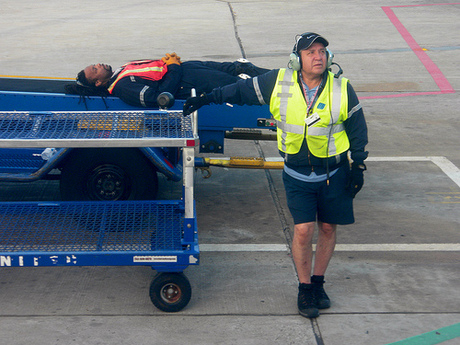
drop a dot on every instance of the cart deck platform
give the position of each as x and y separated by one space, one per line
161 234
95 234
95 129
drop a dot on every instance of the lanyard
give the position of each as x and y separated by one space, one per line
307 99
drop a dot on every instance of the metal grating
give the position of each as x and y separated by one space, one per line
91 226
95 125
20 160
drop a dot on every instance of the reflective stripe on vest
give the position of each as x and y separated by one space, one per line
335 111
325 138
286 83
146 69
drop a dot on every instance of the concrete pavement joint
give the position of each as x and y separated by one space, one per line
160 314
235 29
274 194
287 233
317 332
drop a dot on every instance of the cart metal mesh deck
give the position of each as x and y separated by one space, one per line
77 233
95 129
80 226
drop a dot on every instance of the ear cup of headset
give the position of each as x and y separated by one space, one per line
294 61
329 57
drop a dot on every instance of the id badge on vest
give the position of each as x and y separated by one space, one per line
312 119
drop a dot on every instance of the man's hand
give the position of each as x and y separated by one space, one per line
356 181
172 58
194 103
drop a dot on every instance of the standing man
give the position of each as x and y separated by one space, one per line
319 121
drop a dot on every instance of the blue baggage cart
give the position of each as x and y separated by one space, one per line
161 234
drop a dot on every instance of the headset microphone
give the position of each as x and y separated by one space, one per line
339 73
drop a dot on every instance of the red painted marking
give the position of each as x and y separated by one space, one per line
407 94
430 66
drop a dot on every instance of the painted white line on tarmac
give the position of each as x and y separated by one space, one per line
243 247
449 168
399 159
378 247
399 247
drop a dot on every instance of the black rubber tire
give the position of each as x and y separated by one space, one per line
107 174
170 292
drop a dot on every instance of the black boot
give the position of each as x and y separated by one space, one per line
306 301
321 297
243 66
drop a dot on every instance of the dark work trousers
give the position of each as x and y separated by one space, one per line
207 75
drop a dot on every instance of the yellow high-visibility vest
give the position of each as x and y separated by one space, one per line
326 137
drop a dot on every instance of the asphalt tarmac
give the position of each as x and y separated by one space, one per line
395 273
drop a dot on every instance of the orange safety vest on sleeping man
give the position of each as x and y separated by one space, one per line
145 69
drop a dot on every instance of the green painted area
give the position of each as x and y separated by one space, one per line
434 337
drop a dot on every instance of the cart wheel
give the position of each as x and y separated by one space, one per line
107 174
170 292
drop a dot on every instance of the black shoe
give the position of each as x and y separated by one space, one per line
244 66
306 301
322 298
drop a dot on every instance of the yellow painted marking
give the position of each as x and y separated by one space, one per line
31 77
446 197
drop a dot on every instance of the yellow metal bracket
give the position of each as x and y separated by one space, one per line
245 163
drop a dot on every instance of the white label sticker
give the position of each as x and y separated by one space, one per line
148 258
312 119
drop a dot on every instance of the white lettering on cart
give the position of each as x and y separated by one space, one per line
21 260
149 258
35 261
71 259
5 261
192 259
54 259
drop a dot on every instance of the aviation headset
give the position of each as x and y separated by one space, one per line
294 59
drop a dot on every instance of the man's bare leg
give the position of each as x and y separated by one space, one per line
302 250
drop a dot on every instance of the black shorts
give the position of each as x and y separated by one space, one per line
312 201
